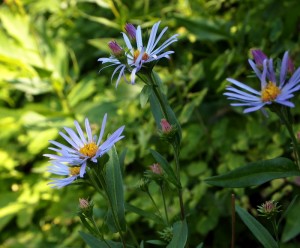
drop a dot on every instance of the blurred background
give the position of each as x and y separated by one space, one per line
49 76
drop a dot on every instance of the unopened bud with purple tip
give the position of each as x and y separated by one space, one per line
290 66
131 30
258 57
115 48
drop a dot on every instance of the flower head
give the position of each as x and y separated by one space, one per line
138 55
82 149
58 168
274 89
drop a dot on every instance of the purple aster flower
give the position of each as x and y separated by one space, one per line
273 89
138 55
81 149
72 173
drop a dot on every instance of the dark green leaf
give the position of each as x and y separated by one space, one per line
256 173
257 229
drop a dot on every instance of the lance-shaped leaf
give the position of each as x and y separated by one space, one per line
115 193
256 173
180 234
257 229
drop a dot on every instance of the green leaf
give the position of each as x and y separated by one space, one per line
200 245
114 187
256 173
93 242
257 229
143 213
145 94
203 28
167 168
81 91
292 226
180 233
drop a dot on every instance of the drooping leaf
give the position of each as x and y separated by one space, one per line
257 229
256 173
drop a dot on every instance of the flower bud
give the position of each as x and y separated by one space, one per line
115 48
156 169
131 30
268 209
258 57
165 126
290 66
86 207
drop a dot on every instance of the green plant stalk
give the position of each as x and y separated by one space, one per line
165 206
275 228
154 204
283 115
175 148
182 213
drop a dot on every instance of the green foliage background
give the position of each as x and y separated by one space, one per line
49 77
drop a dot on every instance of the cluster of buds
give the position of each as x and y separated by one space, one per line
269 209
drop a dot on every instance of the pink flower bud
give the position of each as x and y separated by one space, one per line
131 30
156 169
83 203
165 126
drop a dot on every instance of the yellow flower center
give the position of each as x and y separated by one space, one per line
89 149
137 53
74 170
270 92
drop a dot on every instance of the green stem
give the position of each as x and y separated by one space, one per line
154 204
158 94
165 206
275 228
282 113
182 214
